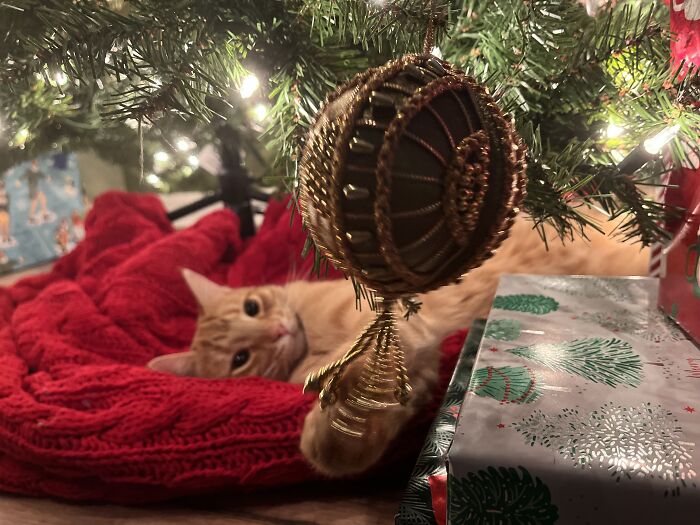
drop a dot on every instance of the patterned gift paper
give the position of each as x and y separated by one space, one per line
41 211
424 501
583 407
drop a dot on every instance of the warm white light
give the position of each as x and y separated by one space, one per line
153 179
614 130
259 112
161 156
132 123
21 136
658 141
617 156
184 144
61 78
249 85
436 52
193 160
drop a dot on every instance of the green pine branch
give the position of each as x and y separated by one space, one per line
73 72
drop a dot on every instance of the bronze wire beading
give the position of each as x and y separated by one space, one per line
469 182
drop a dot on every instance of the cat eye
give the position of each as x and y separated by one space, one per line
251 307
240 359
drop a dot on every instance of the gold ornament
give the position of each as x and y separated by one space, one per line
410 176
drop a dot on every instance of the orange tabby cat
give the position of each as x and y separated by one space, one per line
285 332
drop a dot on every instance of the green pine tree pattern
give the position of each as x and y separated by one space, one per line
650 325
614 288
610 361
507 384
630 442
528 303
503 329
416 507
500 496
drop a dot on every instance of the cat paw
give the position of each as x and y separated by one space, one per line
335 454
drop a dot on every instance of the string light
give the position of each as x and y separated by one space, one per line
249 85
648 150
153 179
259 112
61 78
654 144
617 155
185 144
614 130
161 156
21 136
193 160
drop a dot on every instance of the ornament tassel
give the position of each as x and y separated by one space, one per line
383 381
315 381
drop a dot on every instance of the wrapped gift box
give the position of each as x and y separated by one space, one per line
41 211
679 294
583 407
425 498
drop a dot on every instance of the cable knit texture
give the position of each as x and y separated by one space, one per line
81 418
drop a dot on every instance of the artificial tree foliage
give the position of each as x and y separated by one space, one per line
72 72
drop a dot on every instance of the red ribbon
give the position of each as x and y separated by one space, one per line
438 493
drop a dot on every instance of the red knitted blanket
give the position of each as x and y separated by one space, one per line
82 418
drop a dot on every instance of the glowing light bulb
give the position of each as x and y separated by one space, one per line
658 141
249 85
61 78
161 156
184 144
193 160
21 136
614 130
259 112
153 179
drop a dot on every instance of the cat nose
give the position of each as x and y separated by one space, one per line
281 331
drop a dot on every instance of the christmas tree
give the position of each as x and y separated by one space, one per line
584 90
610 361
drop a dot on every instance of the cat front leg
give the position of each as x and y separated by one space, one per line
337 454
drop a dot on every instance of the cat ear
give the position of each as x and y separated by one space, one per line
179 364
206 292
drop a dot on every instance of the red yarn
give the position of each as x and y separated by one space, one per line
80 416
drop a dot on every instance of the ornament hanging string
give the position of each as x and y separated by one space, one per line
141 147
429 41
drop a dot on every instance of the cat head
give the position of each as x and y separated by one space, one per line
240 332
